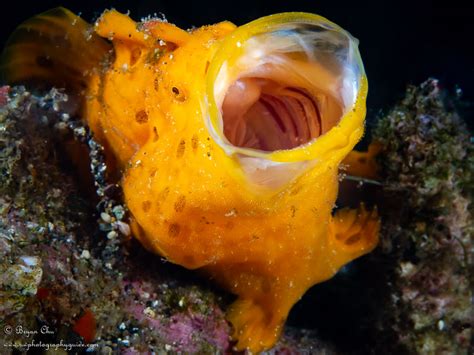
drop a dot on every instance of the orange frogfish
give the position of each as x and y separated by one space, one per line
227 141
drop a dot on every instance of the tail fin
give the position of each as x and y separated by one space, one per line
54 48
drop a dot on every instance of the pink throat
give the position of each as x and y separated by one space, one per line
262 114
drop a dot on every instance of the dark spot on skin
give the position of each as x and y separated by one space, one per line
153 173
171 46
362 160
180 204
175 90
44 62
194 142
156 136
295 191
173 230
204 220
352 240
293 211
155 82
141 117
146 205
181 148
207 67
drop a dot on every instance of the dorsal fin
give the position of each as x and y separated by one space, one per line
54 48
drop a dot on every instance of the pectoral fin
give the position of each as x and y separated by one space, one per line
353 233
363 164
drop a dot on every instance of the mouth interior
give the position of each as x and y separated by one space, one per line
263 114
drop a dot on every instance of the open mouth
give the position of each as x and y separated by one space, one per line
263 114
286 86
277 89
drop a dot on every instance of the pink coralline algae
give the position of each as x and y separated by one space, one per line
4 95
180 330
194 318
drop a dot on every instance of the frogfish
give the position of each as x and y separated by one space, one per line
227 142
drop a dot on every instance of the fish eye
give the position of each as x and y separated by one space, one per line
284 81
178 94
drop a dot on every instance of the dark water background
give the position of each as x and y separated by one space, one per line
401 42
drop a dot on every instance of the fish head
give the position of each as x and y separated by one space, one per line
278 97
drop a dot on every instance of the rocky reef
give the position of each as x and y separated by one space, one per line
426 166
63 272
71 275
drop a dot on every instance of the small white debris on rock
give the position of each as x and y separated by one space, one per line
149 312
112 235
123 228
85 254
407 269
105 217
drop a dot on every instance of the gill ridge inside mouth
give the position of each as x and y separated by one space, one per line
264 115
